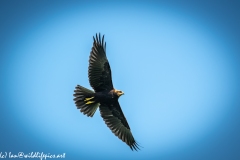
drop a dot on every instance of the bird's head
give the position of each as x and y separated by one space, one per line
118 92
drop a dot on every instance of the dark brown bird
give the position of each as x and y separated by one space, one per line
105 96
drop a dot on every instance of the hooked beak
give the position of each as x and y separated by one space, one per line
120 94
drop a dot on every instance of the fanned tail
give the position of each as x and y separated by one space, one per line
84 100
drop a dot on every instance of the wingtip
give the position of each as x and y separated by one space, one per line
135 146
97 39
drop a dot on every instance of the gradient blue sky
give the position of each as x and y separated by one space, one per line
176 61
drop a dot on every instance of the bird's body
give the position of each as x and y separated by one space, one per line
105 96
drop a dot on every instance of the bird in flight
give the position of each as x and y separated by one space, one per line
104 96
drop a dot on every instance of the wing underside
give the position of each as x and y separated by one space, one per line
116 121
99 71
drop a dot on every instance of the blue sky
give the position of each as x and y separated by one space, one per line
177 63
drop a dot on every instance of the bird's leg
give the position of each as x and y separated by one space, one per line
87 100
90 102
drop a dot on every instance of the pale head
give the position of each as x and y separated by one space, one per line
118 92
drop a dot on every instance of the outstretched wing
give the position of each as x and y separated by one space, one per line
99 71
114 118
